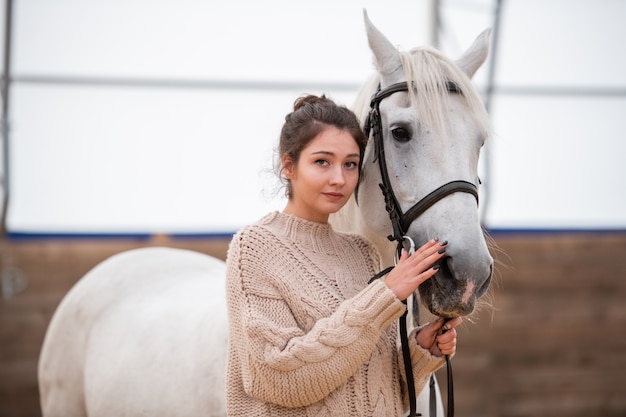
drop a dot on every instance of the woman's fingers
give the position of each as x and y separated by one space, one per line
423 261
452 323
427 336
411 271
430 244
428 255
447 342
439 337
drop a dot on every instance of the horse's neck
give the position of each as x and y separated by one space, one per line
350 220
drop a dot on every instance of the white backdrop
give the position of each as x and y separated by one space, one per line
132 159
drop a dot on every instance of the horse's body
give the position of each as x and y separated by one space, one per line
144 333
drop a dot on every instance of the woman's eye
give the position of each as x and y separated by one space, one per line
321 162
401 134
351 165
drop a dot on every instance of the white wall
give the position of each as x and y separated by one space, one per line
116 159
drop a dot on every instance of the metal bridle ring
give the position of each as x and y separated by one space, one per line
410 249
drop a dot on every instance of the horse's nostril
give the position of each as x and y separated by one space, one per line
444 277
483 288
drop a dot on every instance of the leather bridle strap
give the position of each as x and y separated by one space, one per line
401 222
426 202
374 124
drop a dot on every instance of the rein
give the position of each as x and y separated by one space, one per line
401 221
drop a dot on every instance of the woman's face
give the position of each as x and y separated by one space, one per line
325 176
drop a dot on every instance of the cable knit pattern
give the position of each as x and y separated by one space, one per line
308 336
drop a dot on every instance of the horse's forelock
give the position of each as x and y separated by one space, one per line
430 71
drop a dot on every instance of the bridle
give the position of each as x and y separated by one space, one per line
401 221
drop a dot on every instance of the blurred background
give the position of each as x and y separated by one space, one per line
130 123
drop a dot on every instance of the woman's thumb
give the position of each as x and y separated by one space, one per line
429 332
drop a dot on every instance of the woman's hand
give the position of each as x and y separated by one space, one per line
439 338
411 271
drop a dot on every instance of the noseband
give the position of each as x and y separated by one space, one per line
401 222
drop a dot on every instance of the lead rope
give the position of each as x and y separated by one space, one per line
450 387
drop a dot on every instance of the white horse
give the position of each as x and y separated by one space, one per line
144 333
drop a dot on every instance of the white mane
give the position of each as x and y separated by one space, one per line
429 71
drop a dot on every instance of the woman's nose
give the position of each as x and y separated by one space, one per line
337 176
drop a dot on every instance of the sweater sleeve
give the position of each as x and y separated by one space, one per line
280 362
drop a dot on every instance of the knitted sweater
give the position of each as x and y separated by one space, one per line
307 335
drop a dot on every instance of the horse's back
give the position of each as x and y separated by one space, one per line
140 334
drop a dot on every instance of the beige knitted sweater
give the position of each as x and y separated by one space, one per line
308 335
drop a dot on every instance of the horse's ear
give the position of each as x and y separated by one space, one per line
386 56
476 54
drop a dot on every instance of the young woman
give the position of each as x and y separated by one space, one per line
308 335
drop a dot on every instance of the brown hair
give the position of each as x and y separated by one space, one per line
311 116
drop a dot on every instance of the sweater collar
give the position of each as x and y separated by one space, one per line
319 237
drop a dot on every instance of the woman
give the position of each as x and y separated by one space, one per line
308 335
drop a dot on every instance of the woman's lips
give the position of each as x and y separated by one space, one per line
334 196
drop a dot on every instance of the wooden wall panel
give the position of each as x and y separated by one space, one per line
552 343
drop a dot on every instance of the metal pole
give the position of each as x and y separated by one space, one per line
492 56
8 18
434 23
491 70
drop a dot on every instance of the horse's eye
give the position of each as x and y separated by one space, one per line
401 134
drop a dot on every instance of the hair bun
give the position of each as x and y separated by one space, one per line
308 99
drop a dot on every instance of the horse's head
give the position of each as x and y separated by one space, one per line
431 135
